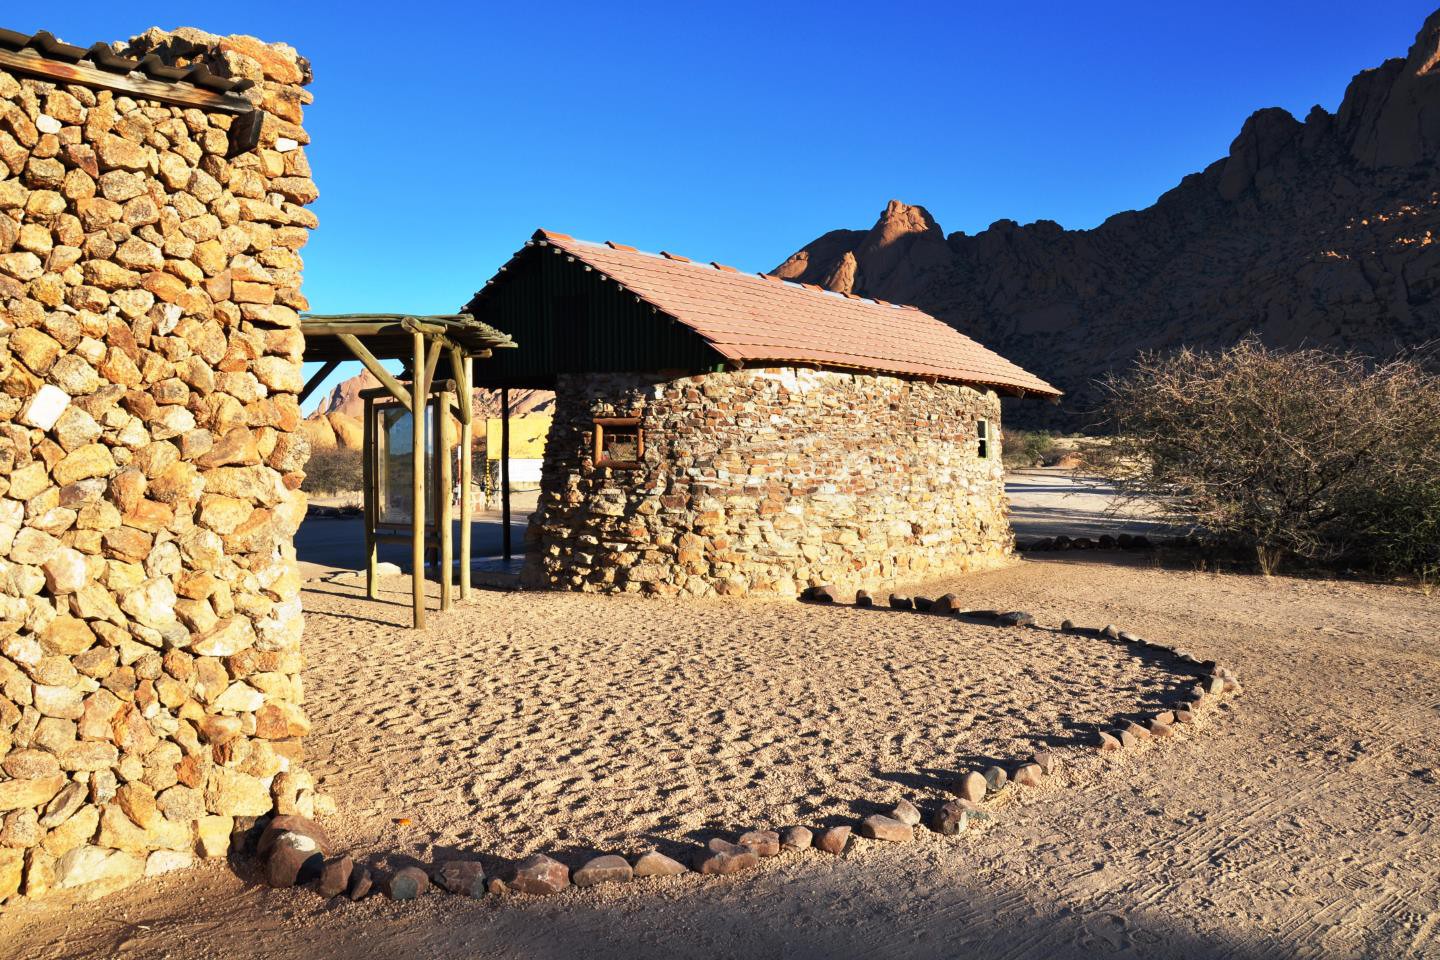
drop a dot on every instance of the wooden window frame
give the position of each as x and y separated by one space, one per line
985 447
628 423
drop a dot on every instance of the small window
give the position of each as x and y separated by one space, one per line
982 437
619 442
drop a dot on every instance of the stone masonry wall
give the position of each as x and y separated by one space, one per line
150 360
768 481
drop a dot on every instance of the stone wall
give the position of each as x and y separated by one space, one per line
150 360
768 481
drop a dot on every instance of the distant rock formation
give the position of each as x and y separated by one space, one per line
1314 232
337 420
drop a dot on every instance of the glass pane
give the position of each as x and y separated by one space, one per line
395 437
622 444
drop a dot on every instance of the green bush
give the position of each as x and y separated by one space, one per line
1026 448
333 471
1314 455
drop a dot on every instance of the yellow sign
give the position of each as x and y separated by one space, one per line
527 436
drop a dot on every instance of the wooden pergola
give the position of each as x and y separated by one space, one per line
419 342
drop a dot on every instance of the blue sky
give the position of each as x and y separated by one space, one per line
444 133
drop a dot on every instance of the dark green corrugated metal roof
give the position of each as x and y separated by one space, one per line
567 318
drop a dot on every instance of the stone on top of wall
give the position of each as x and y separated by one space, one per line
150 357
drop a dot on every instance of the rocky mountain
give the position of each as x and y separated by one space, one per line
336 420
1321 231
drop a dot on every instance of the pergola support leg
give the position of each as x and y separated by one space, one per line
467 444
418 502
505 472
368 459
443 490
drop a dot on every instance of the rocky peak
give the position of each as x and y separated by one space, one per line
901 220
1265 136
1391 114
1321 232
904 243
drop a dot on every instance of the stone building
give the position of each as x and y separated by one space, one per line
152 210
722 432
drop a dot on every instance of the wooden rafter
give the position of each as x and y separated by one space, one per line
319 378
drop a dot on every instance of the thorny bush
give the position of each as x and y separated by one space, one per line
1320 456
333 470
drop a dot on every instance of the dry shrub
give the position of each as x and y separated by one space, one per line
1308 454
332 471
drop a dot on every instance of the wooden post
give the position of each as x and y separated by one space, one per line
505 471
420 395
442 496
467 444
368 463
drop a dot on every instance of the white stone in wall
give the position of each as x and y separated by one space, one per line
45 407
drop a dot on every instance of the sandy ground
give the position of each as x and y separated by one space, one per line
584 725
1299 822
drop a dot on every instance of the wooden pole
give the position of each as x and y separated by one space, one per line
368 463
432 361
443 488
467 445
419 394
367 359
505 471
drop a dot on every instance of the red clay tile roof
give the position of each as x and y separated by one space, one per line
757 318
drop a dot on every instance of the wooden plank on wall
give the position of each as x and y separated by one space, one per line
180 94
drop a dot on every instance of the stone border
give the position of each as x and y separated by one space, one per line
1124 541
294 850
